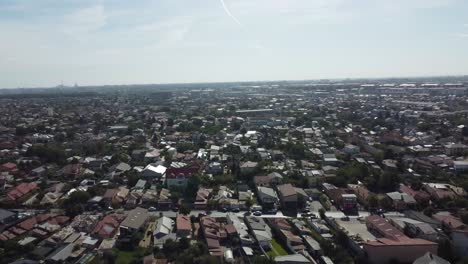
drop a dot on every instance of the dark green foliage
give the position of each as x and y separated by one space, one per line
47 153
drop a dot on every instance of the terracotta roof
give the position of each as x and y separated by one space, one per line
28 224
449 220
183 222
286 190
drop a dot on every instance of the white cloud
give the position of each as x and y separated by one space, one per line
84 21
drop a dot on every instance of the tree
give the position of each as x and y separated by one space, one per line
464 217
322 213
388 181
249 202
464 131
184 209
372 201
75 203
386 203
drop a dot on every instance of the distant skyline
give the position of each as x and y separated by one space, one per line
105 42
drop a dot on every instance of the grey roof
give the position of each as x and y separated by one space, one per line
256 223
430 258
275 175
422 217
140 184
296 258
122 167
63 253
312 243
265 191
24 261
401 196
4 214
136 218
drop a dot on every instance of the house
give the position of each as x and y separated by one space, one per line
351 149
293 242
288 196
459 239
140 185
312 245
248 167
262 181
73 171
136 220
393 243
415 228
460 165
455 149
267 197
214 168
39 171
438 191
120 168
179 177
9 167
214 233
430 258
419 195
21 190
163 231
291 198
240 228
51 198
448 220
153 172
6 216
201 200
164 200
260 230
120 196
138 154
152 155
183 225
108 226
108 196
293 259
401 201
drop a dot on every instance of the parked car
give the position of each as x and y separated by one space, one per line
257 213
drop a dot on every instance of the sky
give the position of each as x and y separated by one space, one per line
96 42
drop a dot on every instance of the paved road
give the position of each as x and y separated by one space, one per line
279 214
217 214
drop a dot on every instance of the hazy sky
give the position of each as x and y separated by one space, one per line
45 42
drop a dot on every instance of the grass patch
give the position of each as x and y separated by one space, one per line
276 250
126 257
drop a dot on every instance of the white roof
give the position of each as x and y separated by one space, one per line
160 169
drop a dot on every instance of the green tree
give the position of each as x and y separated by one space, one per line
372 201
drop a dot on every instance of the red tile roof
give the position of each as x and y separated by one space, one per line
9 166
28 224
183 222
449 220
21 190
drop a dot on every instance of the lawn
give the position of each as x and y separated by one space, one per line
276 250
125 257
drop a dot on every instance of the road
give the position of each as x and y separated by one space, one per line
217 214
279 214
